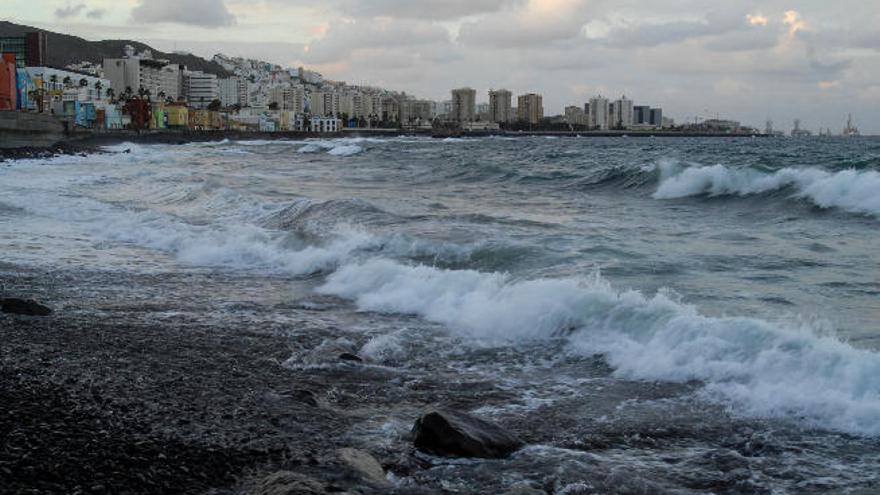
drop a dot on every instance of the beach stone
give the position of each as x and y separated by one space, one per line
27 307
453 433
288 483
363 463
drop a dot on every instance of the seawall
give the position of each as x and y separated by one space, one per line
29 130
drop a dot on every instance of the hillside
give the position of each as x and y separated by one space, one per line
66 49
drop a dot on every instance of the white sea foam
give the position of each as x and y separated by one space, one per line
757 367
345 150
850 190
336 147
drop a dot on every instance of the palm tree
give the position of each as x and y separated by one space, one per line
98 87
110 94
54 80
66 81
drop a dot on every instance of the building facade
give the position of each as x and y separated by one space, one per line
656 119
622 116
229 89
200 89
135 73
464 105
29 50
598 115
641 115
500 106
530 108
290 98
575 115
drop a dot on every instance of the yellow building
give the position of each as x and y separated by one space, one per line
178 115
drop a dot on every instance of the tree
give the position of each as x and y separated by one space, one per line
66 81
215 105
98 87
83 82
54 80
110 93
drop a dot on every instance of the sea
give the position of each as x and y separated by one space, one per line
663 315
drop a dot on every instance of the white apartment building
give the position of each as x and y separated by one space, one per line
324 124
75 89
200 89
623 113
230 91
136 72
598 117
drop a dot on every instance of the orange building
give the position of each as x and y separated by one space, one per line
8 88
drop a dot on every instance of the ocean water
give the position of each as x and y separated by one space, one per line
666 314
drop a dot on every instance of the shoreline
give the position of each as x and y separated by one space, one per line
90 142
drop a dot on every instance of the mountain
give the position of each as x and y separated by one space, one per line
64 49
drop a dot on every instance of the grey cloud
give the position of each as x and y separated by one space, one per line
96 14
521 29
69 11
344 38
423 9
826 68
757 38
204 13
640 35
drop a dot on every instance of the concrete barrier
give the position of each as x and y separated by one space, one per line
29 130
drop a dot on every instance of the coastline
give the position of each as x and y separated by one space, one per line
90 142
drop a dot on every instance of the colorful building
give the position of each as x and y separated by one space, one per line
8 83
177 115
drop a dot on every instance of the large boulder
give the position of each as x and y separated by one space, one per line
27 307
453 433
364 464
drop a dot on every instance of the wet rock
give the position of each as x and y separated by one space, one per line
347 356
364 464
288 483
452 433
27 307
330 351
524 489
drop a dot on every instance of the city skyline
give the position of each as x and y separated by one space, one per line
750 62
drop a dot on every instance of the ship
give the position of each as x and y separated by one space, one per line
850 129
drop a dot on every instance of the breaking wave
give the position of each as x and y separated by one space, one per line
850 190
756 367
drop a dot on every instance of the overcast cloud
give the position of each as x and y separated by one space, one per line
747 60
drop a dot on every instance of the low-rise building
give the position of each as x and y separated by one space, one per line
324 124
177 115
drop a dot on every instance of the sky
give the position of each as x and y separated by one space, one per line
743 60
